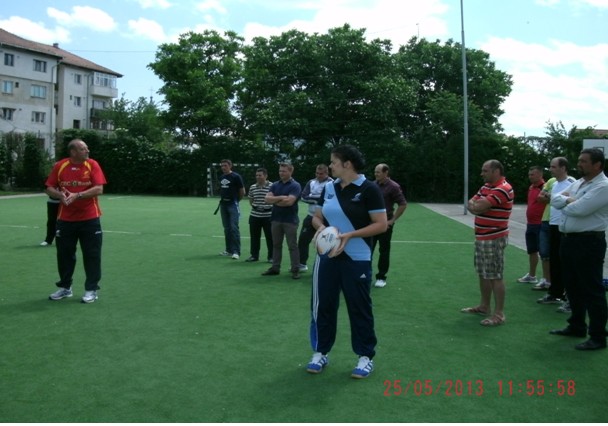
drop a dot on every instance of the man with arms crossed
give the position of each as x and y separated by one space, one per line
555 293
310 195
284 195
492 208
584 207
534 215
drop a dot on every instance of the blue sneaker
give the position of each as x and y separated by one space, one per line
363 368
316 364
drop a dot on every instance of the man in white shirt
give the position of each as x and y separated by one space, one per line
584 208
555 293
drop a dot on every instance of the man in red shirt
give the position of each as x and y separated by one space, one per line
534 215
492 208
76 182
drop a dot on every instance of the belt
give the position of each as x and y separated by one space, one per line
595 234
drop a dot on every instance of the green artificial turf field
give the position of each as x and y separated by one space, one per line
180 334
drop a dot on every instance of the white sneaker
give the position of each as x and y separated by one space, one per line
527 279
44 244
89 297
302 268
61 293
235 256
363 369
380 283
542 285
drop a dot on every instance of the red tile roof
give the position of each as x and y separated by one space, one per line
11 40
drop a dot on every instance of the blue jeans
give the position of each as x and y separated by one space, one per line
230 220
544 241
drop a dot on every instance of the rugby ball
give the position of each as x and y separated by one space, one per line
327 240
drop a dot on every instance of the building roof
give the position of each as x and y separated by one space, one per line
65 57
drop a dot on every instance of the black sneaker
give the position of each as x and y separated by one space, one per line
549 300
270 272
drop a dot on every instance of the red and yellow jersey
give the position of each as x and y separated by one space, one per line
494 223
77 178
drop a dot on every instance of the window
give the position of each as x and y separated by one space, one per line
38 117
99 104
7 113
38 91
78 79
77 102
9 59
39 65
7 86
76 124
105 80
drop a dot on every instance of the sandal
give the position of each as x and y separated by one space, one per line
493 321
474 310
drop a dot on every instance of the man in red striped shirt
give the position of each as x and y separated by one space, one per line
492 208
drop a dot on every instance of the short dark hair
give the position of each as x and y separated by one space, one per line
384 167
562 162
596 155
539 168
286 165
350 153
227 162
262 170
495 164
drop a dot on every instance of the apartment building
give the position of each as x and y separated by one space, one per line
45 89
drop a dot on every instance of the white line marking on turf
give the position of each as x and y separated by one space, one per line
432 242
180 235
122 232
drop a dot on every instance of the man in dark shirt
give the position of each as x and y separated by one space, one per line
392 193
232 191
283 196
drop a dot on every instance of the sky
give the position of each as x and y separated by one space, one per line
555 50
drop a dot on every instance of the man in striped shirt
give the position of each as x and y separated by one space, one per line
259 219
492 208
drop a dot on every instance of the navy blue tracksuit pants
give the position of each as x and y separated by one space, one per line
353 278
89 234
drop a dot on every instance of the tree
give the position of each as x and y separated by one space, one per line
30 173
304 94
200 73
4 163
141 119
434 126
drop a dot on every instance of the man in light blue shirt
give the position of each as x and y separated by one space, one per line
584 208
